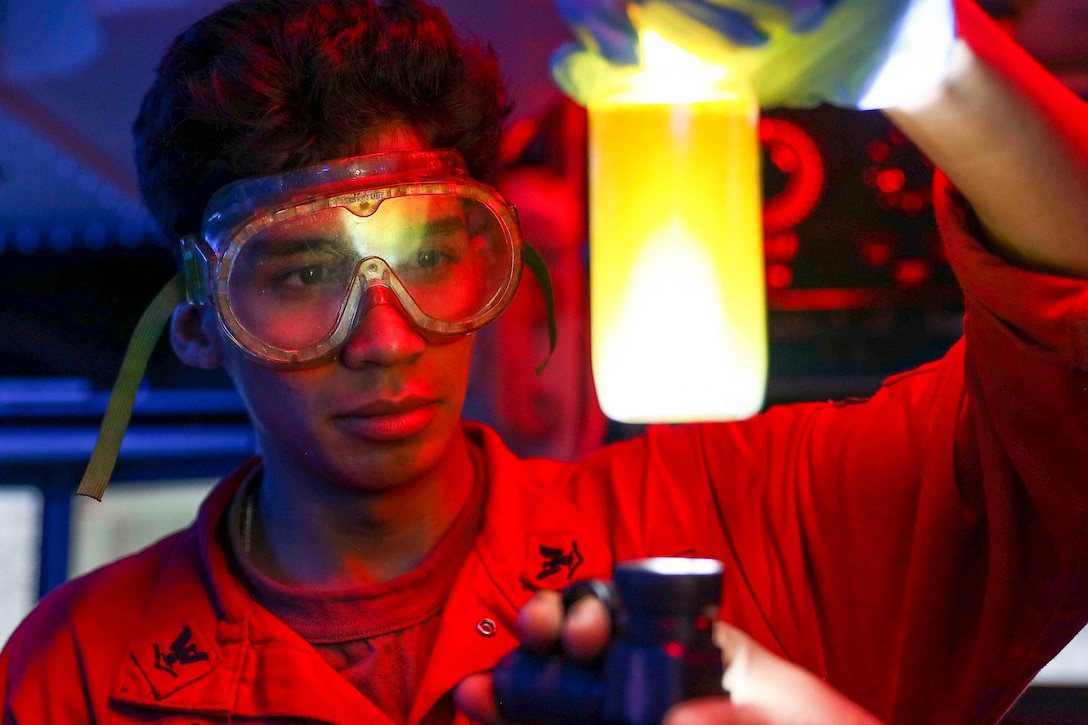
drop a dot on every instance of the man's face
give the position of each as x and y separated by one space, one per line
386 410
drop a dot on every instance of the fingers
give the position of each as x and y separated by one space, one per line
798 15
739 27
733 643
764 688
602 25
476 699
811 15
583 631
540 621
586 629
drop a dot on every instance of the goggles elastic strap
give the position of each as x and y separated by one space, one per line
123 396
532 259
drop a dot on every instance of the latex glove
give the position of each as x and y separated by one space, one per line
853 53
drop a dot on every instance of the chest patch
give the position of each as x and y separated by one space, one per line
561 560
176 657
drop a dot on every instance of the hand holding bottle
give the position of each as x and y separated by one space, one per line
853 53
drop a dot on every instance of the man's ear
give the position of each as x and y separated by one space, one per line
194 335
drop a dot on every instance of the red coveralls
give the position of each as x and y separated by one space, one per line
924 550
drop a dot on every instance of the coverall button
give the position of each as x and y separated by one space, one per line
487 627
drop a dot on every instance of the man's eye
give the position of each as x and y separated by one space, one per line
309 275
428 258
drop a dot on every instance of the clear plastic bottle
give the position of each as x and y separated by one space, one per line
678 298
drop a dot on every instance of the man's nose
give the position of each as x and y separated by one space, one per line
383 335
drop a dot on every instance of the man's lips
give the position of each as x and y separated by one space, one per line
388 420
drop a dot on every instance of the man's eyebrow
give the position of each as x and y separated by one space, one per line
446 225
278 248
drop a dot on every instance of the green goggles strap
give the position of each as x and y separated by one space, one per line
123 396
539 268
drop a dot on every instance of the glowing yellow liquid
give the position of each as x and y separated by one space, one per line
678 302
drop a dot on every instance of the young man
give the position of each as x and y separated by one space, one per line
922 551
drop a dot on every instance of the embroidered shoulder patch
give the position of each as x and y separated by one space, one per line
173 661
559 560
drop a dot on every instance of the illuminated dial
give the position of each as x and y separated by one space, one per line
901 178
793 173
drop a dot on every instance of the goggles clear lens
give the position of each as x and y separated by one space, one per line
290 279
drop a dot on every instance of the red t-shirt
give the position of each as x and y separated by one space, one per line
377 636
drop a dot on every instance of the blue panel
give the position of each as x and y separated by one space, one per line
56 519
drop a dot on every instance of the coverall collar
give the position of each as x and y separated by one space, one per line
205 647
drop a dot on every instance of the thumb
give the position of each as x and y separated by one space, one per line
474 697
779 691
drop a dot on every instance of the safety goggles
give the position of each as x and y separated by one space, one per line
290 261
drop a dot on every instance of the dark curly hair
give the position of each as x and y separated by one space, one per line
261 86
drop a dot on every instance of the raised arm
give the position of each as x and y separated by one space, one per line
1015 142
1004 130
